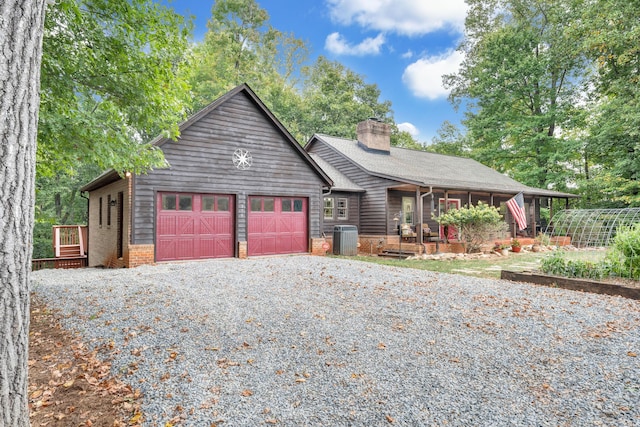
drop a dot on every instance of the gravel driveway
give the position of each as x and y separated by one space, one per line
302 340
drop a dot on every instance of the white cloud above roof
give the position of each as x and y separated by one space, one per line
337 44
409 127
424 77
406 17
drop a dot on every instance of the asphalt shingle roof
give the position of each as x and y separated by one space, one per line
340 181
431 169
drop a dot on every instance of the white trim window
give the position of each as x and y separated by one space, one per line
328 208
343 208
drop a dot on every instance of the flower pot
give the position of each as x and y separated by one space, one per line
504 252
516 248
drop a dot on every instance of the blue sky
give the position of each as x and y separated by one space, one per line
403 46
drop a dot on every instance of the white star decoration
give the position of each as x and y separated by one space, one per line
242 159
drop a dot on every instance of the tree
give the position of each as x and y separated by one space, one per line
610 32
20 55
242 47
450 141
112 79
336 99
523 76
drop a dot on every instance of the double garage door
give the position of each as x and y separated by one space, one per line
200 226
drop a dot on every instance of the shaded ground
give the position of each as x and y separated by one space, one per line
68 384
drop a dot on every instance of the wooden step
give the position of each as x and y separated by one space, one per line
392 253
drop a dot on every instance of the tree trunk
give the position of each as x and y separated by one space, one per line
21 27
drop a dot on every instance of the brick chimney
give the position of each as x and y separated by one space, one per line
374 135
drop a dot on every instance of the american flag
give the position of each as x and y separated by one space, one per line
516 207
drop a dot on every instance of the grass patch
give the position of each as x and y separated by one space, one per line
483 267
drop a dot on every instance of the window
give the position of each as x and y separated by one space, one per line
342 209
286 205
184 203
223 204
328 208
297 205
169 202
109 210
208 203
407 210
269 205
100 212
256 205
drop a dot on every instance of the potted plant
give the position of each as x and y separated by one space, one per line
515 245
503 249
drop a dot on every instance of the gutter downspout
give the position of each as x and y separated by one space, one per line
88 202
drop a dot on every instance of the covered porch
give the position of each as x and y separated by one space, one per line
412 209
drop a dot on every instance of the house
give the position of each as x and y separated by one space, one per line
383 189
238 184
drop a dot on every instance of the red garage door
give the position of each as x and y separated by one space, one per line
194 226
277 225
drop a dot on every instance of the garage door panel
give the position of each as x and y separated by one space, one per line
185 225
185 249
196 232
168 224
281 230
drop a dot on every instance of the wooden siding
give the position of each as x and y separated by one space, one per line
374 214
201 162
353 211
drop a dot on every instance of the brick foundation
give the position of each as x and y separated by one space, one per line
242 250
135 255
316 246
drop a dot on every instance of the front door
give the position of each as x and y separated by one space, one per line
452 232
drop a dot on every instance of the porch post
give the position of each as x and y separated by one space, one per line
469 197
420 214
533 216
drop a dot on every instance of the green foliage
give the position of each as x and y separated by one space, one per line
242 47
336 99
522 79
476 224
543 239
450 141
324 97
557 265
625 251
109 83
610 35
622 260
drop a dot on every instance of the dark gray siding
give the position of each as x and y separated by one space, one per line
201 161
353 211
374 215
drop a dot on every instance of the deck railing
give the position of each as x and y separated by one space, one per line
44 263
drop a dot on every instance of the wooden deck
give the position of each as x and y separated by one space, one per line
69 246
44 263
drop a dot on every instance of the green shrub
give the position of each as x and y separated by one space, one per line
476 224
557 265
544 239
624 253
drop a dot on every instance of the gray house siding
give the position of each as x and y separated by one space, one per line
374 218
201 162
353 211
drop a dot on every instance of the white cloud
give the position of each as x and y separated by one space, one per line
408 54
337 44
424 77
409 127
406 17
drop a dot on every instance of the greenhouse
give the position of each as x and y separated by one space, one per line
591 227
